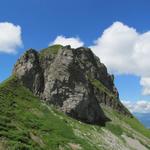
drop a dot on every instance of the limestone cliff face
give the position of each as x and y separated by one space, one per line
74 80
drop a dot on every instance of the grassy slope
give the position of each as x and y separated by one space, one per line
26 123
133 122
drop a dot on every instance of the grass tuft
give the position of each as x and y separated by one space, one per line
51 50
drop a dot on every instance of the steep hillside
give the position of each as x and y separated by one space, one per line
27 123
64 99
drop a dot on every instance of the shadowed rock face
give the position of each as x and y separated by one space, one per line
74 80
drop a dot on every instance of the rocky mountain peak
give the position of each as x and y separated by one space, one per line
74 80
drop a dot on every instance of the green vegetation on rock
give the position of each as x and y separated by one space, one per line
101 87
51 50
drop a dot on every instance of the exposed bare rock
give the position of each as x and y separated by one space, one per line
74 80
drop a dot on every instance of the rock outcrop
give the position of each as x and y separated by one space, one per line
74 80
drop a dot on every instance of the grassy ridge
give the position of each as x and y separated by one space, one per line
118 119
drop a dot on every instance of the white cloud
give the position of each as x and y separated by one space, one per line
145 83
72 41
10 37
125 51
139 106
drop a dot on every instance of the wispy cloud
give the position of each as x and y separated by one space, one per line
140 106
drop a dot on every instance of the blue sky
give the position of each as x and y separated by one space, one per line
41 21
